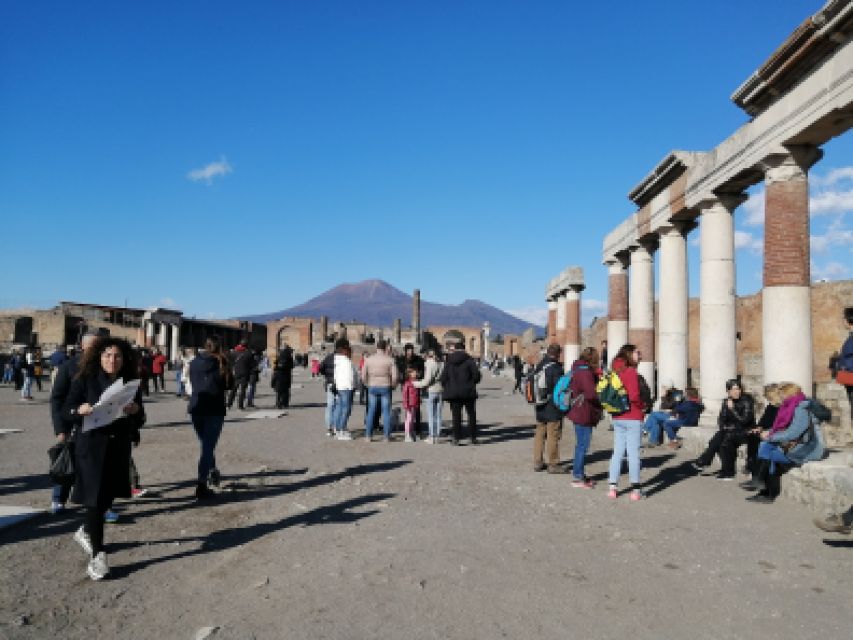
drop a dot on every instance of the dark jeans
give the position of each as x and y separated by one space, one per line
456 415
94 524
725 445
159 382
61 493
208 429
282 399
239 384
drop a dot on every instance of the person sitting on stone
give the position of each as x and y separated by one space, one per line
655 419
737 417
685 413
794 439
773 397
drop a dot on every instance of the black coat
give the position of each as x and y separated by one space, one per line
243 362
739 419
208 386
282 373
460 377
102 455
549 412
59 392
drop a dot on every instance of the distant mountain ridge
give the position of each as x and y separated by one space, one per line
376 302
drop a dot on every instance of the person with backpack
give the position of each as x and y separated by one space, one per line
585 412
549 418
628 424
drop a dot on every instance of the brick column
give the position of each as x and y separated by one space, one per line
572 336
717 328
786 299
641 309
672 322
617 306
560 334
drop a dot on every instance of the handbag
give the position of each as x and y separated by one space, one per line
845 378
62 469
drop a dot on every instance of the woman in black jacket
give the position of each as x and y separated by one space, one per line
102 454
736 420
209 379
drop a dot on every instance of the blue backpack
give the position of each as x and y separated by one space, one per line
562 395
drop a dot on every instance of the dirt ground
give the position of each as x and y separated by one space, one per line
315 538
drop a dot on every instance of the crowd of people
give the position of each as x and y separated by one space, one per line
787 434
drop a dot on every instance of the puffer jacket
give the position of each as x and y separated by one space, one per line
460 377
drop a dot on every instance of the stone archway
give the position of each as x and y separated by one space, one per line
453 336
287 334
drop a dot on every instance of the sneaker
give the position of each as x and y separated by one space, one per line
98 567
111 517
762 498
833 524
539 467
56 507
82 538
408 439
725 478
582 484
636 495
611 493
330 433
697 466
344 435
555 468
138 492
386 439
214 477
435 440
203 492
368 438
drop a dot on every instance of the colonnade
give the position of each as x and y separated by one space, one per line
163 331
564 312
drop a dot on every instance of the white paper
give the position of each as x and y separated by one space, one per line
111 404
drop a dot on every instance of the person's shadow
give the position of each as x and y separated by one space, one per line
223 539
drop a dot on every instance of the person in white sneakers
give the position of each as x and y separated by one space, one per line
345 378
102 454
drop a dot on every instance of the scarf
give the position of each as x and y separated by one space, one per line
786 412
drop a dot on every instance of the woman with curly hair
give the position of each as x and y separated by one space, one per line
102 455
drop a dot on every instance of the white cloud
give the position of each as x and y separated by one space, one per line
830 271
168 303
754 210
836 235
745 240
833 177
210 171
590 304
831 202
536 315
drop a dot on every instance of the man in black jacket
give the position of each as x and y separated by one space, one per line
242 363
459 379
62 428
736 419
549 418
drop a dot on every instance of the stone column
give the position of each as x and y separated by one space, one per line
324 328
572 336
717 291
672 319
552 320
149 333
786 298
617 306
416 315
641 306
398 331
175 348
163 336
560 332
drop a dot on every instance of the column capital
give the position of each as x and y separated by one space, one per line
728 201
791 163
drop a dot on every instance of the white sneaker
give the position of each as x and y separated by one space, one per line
344 435
82 538
330 433
98 567
409 439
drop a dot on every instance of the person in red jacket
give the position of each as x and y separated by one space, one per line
627 426
158 367
585 412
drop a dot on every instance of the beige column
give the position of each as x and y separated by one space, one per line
552 320
641 309
672 316
149 333
175 347
560 334
163 336
717 328
617 306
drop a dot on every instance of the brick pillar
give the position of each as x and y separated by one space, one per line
560 334
617 306
572 336
672 322
717 328
552 321
786 298
641 306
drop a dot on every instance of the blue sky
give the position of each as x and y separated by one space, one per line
230 158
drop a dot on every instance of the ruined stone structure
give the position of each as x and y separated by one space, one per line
416 315
800 98
564 325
